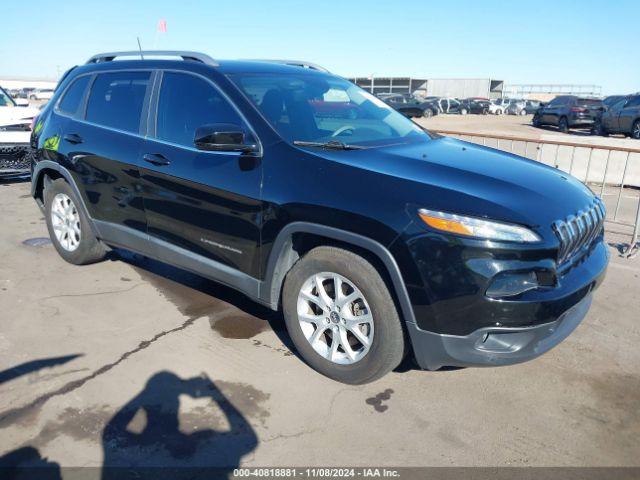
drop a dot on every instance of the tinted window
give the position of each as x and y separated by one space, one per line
188 102
73 95
633 102
116 100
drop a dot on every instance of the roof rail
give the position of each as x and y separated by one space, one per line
297 63
193 56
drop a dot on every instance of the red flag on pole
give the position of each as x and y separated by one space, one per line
162 26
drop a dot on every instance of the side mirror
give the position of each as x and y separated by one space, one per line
223 137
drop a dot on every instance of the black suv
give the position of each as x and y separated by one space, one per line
569 111
623 116
410 106
375 237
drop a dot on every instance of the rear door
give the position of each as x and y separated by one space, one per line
202 203
102 142
628 114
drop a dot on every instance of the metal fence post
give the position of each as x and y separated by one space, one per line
624 175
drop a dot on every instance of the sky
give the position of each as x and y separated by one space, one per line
535 41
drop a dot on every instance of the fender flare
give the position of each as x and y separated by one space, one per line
51 165
281 260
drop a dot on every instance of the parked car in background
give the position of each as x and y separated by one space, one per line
532 106
452 105
25 92
410 106
375 238
516 107
569 111
15 130
621 117
475 105
41 94
498 106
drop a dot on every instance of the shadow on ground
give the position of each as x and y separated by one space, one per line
149 438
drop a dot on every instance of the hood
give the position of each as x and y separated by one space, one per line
460 177
13 115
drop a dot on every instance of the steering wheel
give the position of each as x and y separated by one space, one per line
341 130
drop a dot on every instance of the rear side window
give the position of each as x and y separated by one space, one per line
116 100
187 102
73 95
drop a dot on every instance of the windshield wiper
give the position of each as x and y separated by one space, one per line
332 145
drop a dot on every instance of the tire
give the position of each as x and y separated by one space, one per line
463 111
427 113
635 130
563 125
78 246
499 111
522 112
536 121
598 129
385 333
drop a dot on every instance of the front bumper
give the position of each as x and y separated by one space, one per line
491 346
517 337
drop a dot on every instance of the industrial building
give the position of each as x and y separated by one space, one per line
440 87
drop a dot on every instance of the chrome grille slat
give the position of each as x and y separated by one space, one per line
577 232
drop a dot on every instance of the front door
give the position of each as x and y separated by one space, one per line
202 203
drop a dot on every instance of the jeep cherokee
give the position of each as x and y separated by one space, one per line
376 238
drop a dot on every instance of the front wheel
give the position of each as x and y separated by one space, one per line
598 129
463 111
68 227
427 113
635 130
341 316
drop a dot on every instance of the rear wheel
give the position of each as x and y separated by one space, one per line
341 316
427 113
563 125
68 227
463 111
635 130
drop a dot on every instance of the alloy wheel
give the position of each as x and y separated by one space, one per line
65 221
335 318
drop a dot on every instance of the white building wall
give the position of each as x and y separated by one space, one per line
459 87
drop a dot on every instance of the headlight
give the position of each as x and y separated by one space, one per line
477 227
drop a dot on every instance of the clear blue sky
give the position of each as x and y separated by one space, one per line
536 41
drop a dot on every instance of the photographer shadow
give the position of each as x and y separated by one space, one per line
145 435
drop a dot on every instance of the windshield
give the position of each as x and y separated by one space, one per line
314 108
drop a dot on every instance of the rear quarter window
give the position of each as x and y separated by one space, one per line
116 100
73 96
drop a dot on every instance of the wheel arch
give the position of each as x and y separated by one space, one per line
46 171
297 238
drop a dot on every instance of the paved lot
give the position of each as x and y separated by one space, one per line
520 127
129 361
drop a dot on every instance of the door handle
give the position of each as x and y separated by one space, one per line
73 138
156 159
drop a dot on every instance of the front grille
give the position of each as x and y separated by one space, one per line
15 157
576 232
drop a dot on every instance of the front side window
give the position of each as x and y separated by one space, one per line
312 107
73 96
188 102
116 100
